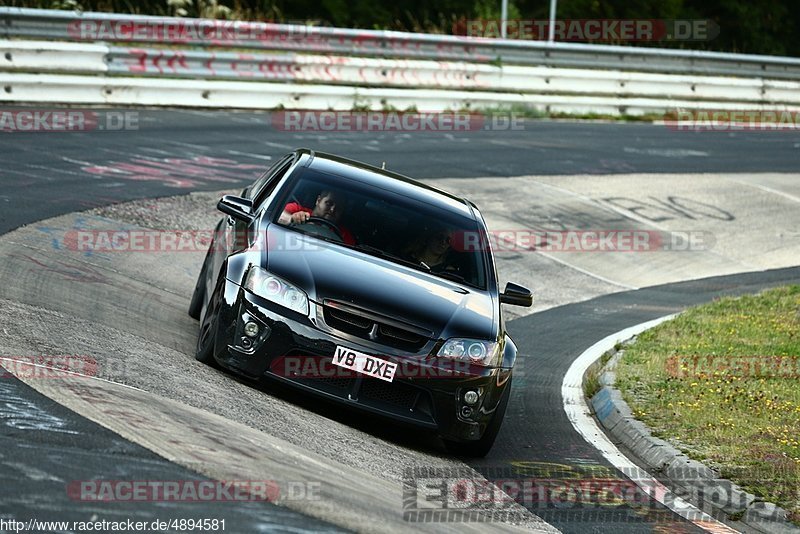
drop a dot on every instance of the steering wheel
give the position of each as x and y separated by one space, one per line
325 222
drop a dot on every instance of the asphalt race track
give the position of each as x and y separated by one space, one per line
45 173
46 446
179 420
553 339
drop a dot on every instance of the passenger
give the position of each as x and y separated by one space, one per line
434 250
329 206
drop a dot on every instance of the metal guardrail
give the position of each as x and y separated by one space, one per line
129 91
79 58
116 28
50 71
215 64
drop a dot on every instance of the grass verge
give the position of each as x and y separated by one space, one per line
591 379
721 382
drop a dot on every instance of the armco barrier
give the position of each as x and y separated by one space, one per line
445 75
214 74
42 56
75 26
39 88
29 56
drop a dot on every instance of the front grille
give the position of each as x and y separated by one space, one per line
347 322
367 325
397 333
338 386
315 372
361 323
337 382
394 393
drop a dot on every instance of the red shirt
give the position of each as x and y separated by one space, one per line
294 207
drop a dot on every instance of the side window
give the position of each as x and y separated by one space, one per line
266 184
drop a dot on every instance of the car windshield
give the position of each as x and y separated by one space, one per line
386 224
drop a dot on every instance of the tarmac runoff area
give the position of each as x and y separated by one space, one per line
675 227
127 311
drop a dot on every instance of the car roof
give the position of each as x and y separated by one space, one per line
385 179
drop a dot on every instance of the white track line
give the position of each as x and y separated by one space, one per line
584 271
767 189
57 371
580 416
520 245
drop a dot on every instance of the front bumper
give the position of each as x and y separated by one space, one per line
298 350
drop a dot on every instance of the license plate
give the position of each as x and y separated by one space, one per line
364 363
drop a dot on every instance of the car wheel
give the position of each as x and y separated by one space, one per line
196 306
481 447
208 328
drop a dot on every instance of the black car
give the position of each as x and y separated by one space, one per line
365 287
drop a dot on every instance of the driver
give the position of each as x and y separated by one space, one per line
329 205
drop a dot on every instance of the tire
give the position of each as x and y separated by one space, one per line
481 447
206 337
196 305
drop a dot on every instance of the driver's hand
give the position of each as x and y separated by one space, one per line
299 217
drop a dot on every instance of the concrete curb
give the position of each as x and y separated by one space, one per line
687 478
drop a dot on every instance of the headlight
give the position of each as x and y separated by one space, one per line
470 350
277 290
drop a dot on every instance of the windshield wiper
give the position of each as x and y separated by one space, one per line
453 276
387 256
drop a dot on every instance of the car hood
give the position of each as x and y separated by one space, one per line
330 271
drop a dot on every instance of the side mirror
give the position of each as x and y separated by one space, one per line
516 295
239 208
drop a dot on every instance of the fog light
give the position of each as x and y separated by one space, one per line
466 412
251 329
471 397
